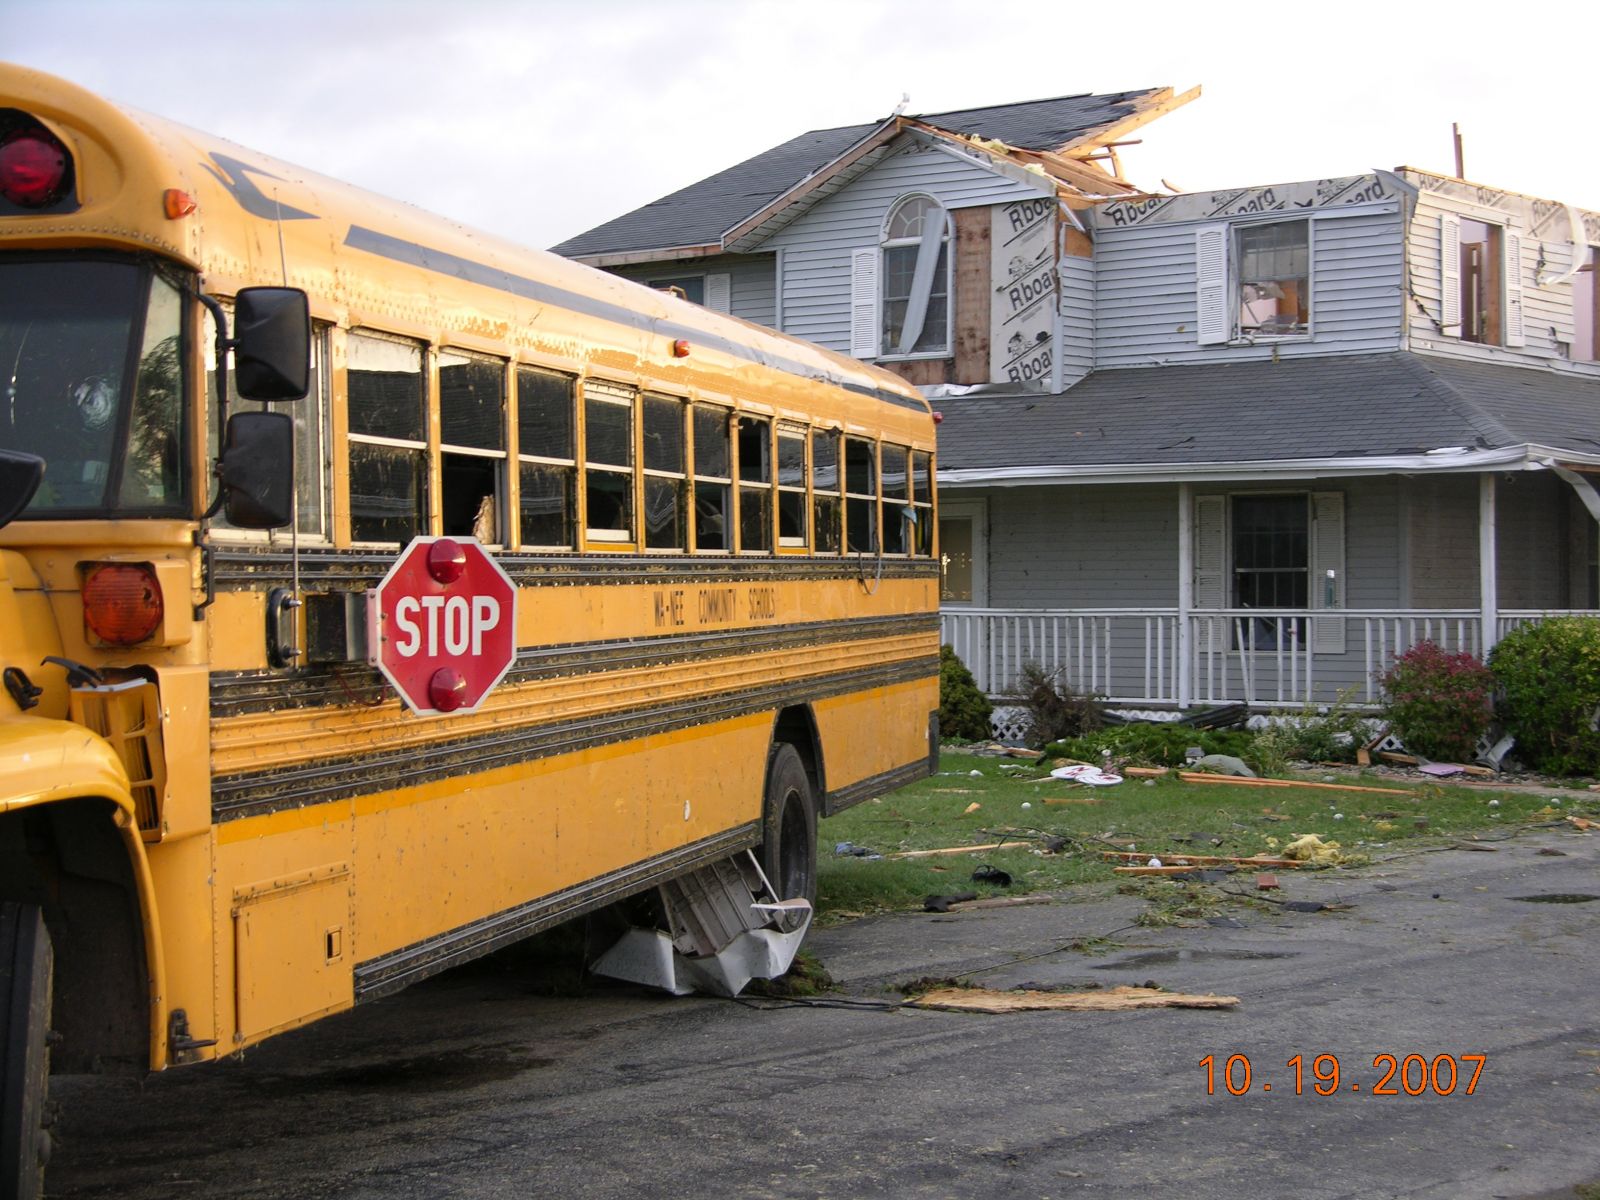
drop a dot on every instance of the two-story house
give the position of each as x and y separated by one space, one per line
1204 447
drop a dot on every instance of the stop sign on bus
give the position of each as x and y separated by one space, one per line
442 625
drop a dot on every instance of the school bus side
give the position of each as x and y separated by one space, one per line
282 838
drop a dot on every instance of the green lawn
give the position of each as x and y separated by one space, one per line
1242 820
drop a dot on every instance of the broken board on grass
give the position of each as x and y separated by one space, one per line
1118 999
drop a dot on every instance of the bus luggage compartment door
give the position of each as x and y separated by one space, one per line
291 950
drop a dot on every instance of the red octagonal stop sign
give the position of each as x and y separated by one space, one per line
442 625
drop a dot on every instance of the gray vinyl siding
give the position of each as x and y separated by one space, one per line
1546 311
816 247
1442 535
752 281
1077 317
1146 310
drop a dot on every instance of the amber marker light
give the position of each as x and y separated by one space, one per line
680 348
177 203
122 603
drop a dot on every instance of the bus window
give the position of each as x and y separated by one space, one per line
548 467
311 419
472 450
608 461
825 489
713 479
755 484
922 502
861 495
791 486
387 403
896 500
665 476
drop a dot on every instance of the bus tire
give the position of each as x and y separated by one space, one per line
26 973
789 827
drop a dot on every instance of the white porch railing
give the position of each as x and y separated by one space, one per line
1143 657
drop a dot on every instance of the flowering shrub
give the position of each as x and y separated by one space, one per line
1438 703
1549 680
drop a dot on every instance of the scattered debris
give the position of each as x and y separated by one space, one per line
1559 898
1000 902
1072 799
1084 773
1146 772
1400 760
1266 883
1303 906
987 874
1551 852
1310 848
941 904
1441 770
1478 846
1201 777
1583 823
945 850
1206 859
851 850
1109 1000
1224 764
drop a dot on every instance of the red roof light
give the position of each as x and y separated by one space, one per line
33 168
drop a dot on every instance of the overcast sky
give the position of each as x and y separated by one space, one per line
541 118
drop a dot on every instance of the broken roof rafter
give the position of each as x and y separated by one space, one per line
1155 103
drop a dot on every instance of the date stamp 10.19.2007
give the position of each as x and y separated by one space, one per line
1325 1075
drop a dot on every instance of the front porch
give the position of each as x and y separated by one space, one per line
1160 658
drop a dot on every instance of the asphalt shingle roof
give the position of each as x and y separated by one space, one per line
1346 407
701 213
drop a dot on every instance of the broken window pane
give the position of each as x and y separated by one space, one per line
712 529
663 434
826 511
385 388
755 450
468 487
711 453
548 504
663 513
1274 278
862 518
791 459
544 413
608 436
859 468
755 518
610 498
471 401
387 493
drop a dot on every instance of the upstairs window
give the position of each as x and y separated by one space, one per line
1254 281
1480 281
916 279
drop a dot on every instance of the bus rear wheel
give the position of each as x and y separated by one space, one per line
789 827
26 971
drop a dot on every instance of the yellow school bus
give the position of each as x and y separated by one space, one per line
237 401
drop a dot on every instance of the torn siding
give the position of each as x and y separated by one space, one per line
817 246
1546 246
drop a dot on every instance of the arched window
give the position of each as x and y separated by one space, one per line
916 278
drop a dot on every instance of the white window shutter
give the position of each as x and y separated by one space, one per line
1327 555
1210 552
719 293
864 303
1450 274
1211 284
1511 272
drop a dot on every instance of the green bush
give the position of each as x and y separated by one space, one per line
1439 704
1056 709
1548 677
1152 744
964 711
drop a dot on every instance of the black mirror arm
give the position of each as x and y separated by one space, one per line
219 317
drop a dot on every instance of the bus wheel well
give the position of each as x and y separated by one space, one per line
797 726
69 859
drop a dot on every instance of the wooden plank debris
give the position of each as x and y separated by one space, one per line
947 850
1201 860
1204 777
1146 772
1117 999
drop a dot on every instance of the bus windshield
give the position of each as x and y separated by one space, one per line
91 380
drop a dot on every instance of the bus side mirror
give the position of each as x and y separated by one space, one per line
256 470
272 343
19 478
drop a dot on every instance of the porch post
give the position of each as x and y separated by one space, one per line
1185 591
1488 593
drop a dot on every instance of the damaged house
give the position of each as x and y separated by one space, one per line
1242 445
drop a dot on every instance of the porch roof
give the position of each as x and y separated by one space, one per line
1296 418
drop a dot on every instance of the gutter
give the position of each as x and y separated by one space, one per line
1449 460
